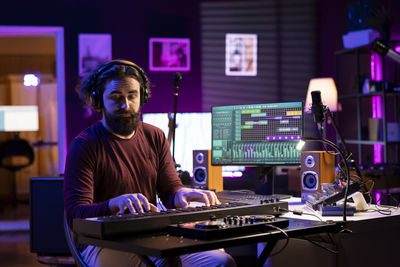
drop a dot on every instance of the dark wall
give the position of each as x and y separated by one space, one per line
131 24
333 24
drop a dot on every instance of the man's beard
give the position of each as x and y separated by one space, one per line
122 125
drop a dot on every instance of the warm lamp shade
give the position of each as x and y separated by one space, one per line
328 93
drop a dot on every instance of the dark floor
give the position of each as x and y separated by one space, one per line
14 242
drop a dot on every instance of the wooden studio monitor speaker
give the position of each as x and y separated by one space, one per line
206 176
317 168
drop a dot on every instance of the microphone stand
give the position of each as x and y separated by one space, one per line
347 158
348 155
177 81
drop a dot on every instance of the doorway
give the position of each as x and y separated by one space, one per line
52 86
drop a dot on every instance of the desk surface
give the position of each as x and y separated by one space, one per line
163 244
372 213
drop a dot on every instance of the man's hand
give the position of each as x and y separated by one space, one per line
185 195
134 202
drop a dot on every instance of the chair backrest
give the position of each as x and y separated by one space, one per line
73 245
16 147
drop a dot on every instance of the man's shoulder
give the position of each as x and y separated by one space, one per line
89 135
153 132
151 128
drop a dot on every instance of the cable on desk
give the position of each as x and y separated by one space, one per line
384 211
300 212
284 233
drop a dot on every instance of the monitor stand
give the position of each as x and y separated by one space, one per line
265 173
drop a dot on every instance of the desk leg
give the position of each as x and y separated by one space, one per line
266 251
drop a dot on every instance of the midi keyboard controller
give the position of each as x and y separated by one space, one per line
108 226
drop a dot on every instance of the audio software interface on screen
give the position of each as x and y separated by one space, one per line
257 134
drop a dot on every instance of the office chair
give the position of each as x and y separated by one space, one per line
73 244
15 148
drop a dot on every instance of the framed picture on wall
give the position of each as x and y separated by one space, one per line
94 50
169 54
240 54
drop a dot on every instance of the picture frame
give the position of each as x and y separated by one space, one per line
240 54
169 54
94 50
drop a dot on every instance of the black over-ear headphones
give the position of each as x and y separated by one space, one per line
97 95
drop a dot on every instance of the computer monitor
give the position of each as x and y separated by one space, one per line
19 118
257 134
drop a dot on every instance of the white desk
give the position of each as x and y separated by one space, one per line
373 240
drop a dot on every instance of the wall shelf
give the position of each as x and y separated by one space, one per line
353 67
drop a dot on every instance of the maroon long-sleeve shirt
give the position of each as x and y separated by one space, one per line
101 166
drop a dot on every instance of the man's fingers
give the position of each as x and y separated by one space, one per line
130 206
153 207
137 202
132 202
144 202
215 200
121 208
199 195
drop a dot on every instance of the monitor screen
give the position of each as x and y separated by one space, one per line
257 134
19 118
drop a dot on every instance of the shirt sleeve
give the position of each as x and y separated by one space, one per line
79 182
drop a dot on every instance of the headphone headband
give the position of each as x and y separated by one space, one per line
97 95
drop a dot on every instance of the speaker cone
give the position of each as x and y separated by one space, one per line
200 175
310 180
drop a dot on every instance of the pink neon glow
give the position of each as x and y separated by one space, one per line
235 174
397 49
377 113
378 198
378 149
376 67
377 109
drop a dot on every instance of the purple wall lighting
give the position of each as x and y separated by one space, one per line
377 108
169 54
378 198
376 67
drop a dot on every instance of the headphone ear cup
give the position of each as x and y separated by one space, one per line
144 95
96 100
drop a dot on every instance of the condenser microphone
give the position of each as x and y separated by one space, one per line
177 79
383 49
317 109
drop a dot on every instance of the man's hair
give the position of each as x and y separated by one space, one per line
92 86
